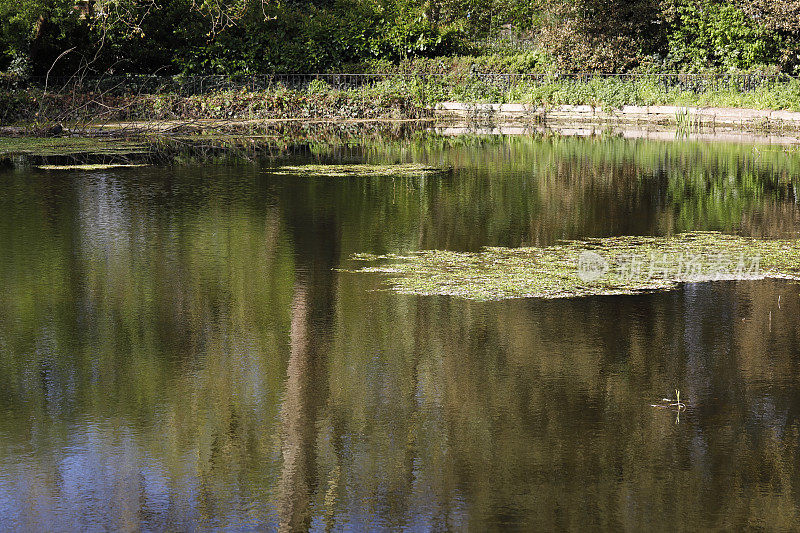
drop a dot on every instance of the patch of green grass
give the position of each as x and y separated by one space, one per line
616 92
632 265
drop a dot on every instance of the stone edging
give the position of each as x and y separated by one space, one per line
661 114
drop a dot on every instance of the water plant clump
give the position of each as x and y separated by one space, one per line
408 170
68 146
98 166
605 266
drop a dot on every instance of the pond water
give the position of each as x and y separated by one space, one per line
180 350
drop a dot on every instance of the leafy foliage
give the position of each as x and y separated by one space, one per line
707 33
262 36
600 35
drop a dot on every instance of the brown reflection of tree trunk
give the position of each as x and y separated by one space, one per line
312 319
297 422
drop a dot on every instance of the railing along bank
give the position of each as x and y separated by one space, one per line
196 85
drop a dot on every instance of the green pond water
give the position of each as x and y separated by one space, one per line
186 347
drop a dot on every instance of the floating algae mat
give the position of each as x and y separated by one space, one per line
105 166
408 170
607 266
61 146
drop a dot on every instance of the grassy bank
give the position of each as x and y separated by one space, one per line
387 100
394 97
742 90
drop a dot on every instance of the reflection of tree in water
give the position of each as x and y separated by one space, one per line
536 414
316 241
412 410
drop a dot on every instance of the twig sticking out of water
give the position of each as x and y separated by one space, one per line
669 403
676 404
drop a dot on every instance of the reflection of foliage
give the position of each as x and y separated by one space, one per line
520 409
145 319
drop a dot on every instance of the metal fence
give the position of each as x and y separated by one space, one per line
191 85
195 85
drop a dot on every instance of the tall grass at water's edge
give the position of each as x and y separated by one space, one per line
388 98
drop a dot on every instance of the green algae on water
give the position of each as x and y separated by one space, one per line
105 166
408 170
62 146
605 266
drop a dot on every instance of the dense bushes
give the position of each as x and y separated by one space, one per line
601 35
175 36
262 36
707 34
519 63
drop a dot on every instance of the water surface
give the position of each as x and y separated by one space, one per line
179 351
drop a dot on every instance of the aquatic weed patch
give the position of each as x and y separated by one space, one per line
66 146
409 170
606 266
99 166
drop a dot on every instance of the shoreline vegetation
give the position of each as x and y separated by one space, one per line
389 97
86 67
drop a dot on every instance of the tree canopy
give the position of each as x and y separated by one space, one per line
265 36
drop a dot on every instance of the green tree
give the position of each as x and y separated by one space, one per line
782 18
599 35
33 33
713 34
